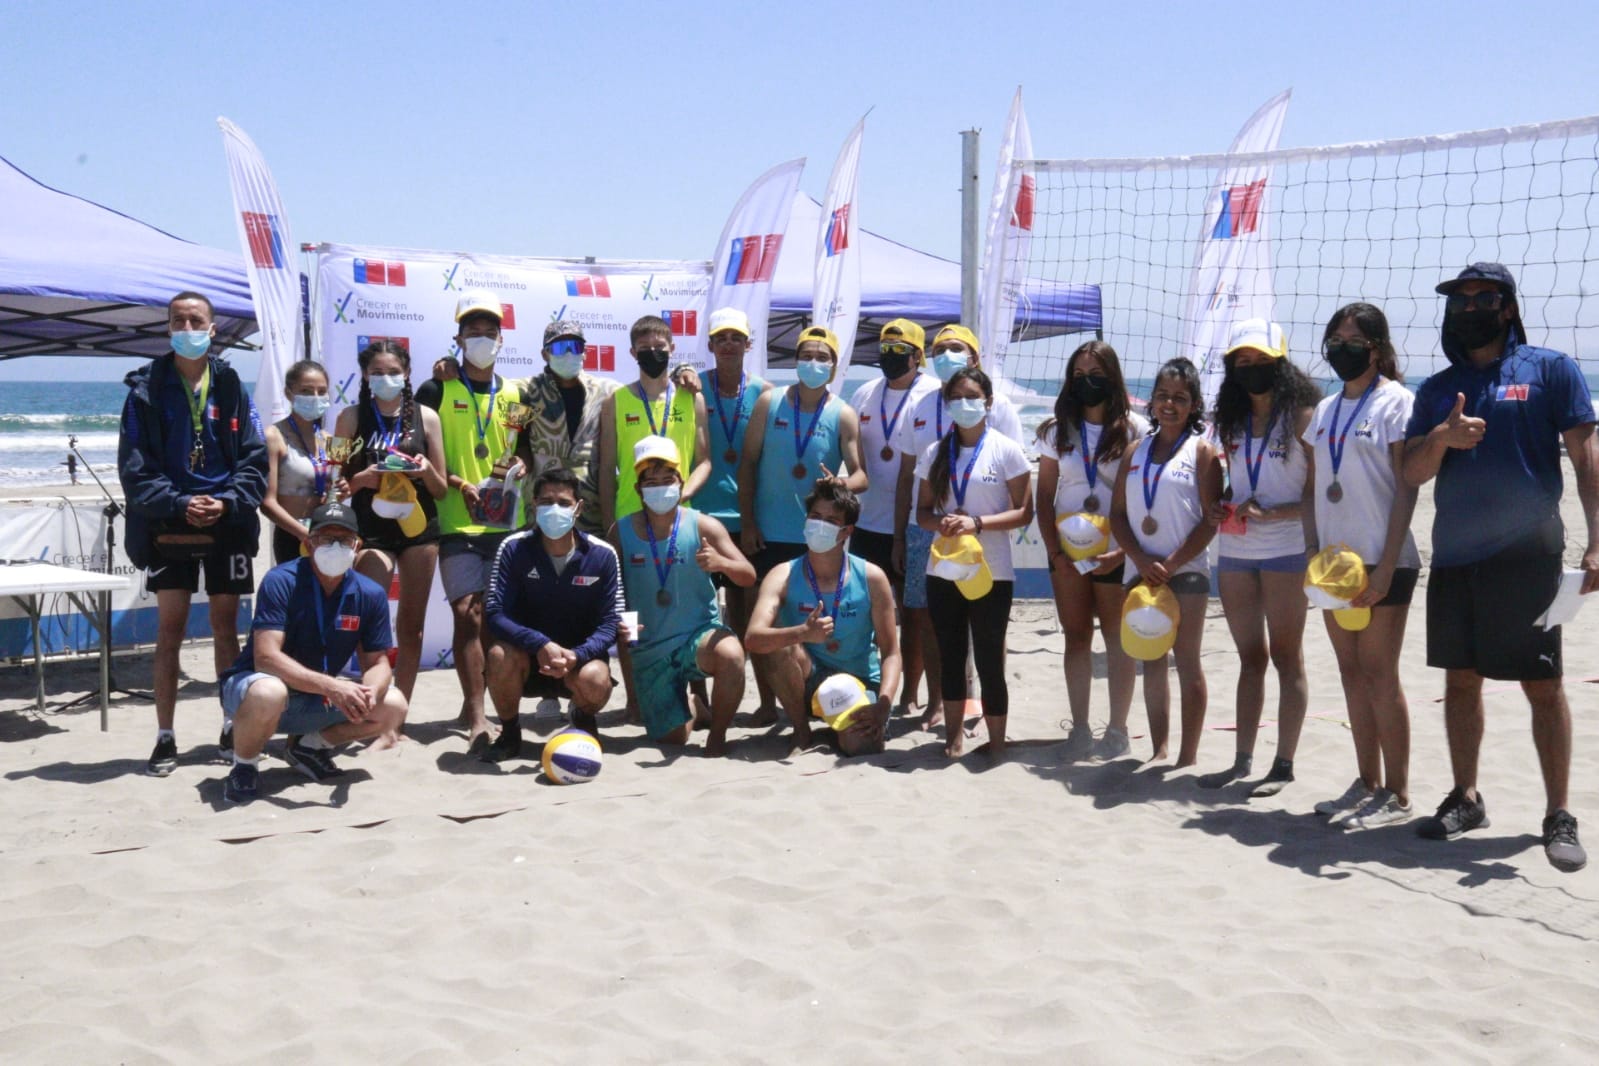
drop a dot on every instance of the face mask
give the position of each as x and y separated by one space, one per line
1477 328
310 408
661 498
966 413
894 366
946 363
554 520
386 386
652 362
1256 379
820 535
813 374
191 343
1349 363
480 351
333 559
568 367
1090 390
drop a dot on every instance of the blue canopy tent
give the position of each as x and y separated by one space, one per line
77 278
898 281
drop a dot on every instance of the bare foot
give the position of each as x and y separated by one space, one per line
479 742
1159 755
715 746
387 741
1183 764
630 714
955 745
932 718
994 749
465 717
702 714
765 714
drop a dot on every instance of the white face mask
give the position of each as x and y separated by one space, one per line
820 535
309 406
480 351
661 498
386 386
334 559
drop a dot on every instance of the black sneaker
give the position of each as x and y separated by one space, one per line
225 743
164 759
1560 842
1456 815
506 746
239 786
587 721
315 763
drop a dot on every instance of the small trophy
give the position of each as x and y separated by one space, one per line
339 450
513 416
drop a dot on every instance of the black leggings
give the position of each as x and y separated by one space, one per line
958 622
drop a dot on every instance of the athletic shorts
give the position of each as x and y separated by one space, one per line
1281 564
1402 588
662 683
776 553
1188 583
544 687
874 548
285 546
918 549
466 561
305 713
229 568
1481 617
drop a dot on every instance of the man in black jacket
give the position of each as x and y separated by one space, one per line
193 464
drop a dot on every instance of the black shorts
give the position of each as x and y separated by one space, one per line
229 568
773 555
874 548
285 546
1480 617
1402 589
544 687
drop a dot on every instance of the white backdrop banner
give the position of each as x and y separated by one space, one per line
1005 248
836 288
747 254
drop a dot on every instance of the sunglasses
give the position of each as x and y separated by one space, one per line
897 348
1490 300
1350 349
565 346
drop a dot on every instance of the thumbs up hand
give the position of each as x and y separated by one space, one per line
1460 430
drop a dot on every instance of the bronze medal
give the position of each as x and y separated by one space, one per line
1150 525
887 452
664 598
1091 505
730 456
1335 492
481 451
799 470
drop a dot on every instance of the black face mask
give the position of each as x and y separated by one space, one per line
1476 328
1256 379
652 362
894 366
1090 390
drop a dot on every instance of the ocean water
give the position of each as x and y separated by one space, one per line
38 418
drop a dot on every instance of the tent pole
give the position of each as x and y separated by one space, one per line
971 248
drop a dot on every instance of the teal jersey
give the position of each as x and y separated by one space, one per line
779 495
719 496
693 598
852 649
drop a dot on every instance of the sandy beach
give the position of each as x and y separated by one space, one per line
427 908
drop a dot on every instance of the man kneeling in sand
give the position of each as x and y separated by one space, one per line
828 613
311 616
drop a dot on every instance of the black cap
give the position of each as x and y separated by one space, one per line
334 514
1497 273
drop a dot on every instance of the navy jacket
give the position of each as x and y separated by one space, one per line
527 605
152 495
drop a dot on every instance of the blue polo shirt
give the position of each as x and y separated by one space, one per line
528 604
1504 493
355 617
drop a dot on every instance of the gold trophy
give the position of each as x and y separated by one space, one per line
339 450
514 417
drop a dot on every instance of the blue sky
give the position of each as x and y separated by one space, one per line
629 129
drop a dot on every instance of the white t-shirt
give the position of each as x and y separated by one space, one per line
877 412
1280 480
1072 488
1177 508
1366 473
1000 459
929 421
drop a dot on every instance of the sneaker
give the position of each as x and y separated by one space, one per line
315 763
506 746
239 786
1354 798
1078 743
587 721
1383 808
164 759
225 743
1560 842
1112 744
1456 815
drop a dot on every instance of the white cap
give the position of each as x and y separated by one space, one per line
732 318
1260 335
473 302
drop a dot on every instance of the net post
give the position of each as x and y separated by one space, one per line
971 228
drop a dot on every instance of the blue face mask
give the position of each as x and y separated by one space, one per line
566 367
386 386
310 408
813 374
191 343
554 520
661 498
946 363
820 535
966 413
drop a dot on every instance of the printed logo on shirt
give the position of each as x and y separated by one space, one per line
1513 392
582 580
461 405
631 420
350 623
533 574
918 423
635 560
865 418
781 423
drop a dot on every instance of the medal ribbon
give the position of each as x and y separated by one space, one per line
321 624
666 413
1251 464
838 593
478 419
1335 442
197 412
663 572
958 485
887 423
1090 464
1150 491
716 398
387 437
318 455
816 417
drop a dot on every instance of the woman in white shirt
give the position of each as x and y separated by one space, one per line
1166 493
1080 452
1356 496
1262 408
974 481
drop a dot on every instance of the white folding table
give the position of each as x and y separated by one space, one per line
25 583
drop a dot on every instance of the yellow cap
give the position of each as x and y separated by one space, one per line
905 330
1149 622
1084 535
471 303
837 699
1260 335
956 332
1333 577
960 559
818 333
661 448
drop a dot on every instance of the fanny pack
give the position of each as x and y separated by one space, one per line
177 541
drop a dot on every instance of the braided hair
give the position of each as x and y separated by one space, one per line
940 474
385 346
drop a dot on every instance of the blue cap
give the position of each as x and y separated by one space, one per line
1497 273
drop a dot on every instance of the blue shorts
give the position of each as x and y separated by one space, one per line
918 549
1281 564
662 683
304 714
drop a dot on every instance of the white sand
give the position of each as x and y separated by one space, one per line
426 908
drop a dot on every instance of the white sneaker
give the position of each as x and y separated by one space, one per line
1355 797
1112 744
1384 809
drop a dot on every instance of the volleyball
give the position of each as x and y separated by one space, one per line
572 757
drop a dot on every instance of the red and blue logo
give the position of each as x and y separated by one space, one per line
753 259
1513 392
265 238
588 285
379 272
682 323
837 238
1240 210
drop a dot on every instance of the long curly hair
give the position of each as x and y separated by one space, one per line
1069 415
1291 389
940 473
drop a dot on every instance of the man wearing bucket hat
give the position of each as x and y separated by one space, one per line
1489 428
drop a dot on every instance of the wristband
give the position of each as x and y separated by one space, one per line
978 522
